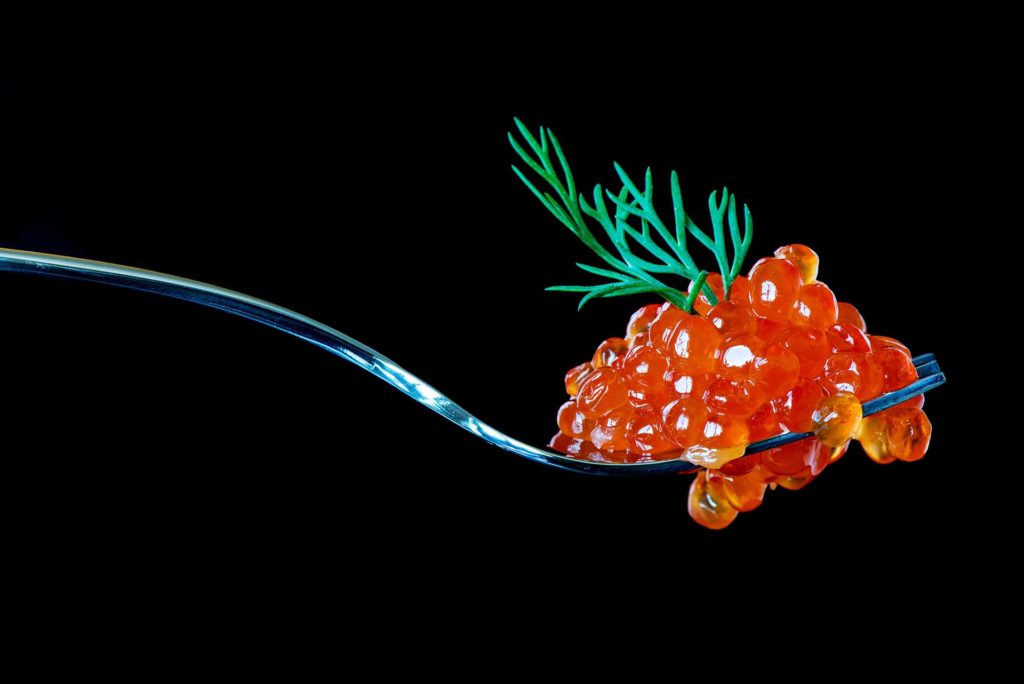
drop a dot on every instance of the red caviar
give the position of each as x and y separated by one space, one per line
779 354
774 287
803 257
815 307
848 314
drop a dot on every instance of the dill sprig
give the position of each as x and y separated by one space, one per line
629 273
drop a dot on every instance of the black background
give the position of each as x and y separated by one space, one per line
161 445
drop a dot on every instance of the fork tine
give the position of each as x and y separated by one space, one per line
923 359
930 378
921 386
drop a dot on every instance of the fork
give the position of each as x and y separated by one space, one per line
372 361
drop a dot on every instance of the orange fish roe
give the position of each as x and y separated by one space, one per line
779 354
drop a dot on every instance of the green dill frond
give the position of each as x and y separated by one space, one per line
633 222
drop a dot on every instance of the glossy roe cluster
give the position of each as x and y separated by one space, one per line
777 354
